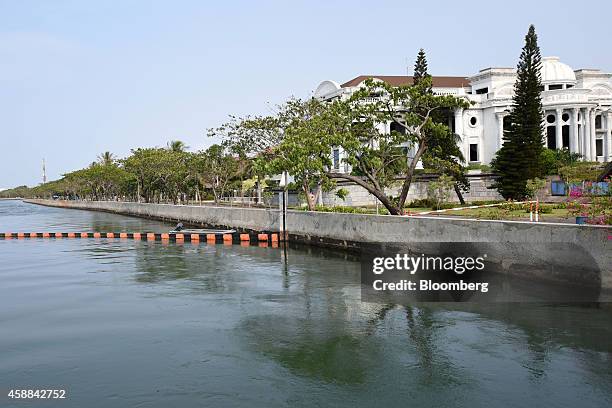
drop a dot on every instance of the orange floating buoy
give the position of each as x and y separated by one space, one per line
165 237
58 235
123 235
110 235
150 236
227 237
195 237
84 235
211 237
179 237
71 235
136 235
262 237
244 237
97 235
46 235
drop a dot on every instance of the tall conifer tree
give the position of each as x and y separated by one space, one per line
420 68
520 157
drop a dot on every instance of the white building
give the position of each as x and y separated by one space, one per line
577 108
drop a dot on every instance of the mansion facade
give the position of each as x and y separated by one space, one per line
577 108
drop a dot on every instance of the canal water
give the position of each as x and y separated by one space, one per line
146 324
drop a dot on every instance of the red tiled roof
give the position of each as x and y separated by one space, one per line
397 80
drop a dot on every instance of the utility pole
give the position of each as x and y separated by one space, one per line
283 205
44 171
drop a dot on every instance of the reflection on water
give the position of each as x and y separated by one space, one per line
125 323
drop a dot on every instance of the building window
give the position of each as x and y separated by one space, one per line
550 118
565 117
599 147
507 123
565 132
482 91
336 159
473 121
568 86
598 122
473 152
396 127
555 87
551 137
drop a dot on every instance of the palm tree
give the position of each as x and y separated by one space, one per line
106 158
177 146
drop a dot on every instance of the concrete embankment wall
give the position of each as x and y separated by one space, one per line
558 251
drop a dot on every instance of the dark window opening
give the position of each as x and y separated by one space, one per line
569 86
565 117
473 152
551 141
555 87
473 121
565 132
396 127
599 147
598 122
336 159
507 123
550 118
482 91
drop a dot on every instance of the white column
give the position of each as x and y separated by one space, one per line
574 135
586 131
558 129
593 136
500 129
608 138
459 131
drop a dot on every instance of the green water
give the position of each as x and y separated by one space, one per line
143 324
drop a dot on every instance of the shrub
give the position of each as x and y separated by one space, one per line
421 203
438 192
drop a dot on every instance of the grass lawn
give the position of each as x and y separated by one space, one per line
494 213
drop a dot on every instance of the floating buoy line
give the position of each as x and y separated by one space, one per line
262 239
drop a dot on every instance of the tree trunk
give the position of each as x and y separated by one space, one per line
459 195
409 175
309 199
380 195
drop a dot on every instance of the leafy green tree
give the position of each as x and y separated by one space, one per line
520 157
218 169
376 155
305 150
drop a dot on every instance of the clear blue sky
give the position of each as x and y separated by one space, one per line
81 77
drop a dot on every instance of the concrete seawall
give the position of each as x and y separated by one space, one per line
557 252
